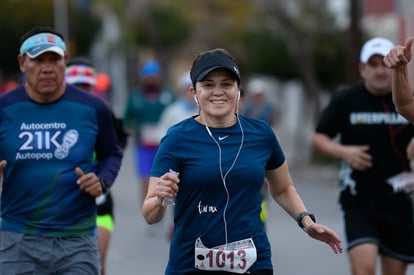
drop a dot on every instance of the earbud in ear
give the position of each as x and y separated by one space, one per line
195 99
238 96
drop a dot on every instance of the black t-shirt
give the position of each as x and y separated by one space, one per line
360 118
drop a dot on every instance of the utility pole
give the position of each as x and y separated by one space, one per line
60 9
354 41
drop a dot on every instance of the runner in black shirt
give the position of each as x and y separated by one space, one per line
373 144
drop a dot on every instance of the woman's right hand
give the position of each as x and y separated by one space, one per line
167 186
159 189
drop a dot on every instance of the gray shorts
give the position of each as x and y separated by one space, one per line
26 254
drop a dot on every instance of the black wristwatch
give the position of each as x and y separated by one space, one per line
301 216
104 186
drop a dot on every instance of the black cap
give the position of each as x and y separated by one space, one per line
212 61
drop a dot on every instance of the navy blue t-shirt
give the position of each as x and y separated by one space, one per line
43 144
202 208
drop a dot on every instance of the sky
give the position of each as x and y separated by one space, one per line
340 8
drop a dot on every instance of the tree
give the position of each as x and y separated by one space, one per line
18 16
304 24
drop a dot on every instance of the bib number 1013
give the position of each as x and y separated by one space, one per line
226 258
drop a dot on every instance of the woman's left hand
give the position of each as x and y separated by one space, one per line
325 234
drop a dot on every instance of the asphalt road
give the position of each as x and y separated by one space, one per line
140 249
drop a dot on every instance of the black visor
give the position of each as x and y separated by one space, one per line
210 62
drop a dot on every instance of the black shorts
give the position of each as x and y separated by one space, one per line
385 220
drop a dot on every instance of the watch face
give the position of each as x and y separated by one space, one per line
302 215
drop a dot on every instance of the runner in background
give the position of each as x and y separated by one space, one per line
183 107
81 73
145 103
257 104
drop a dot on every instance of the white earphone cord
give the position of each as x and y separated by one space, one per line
223 178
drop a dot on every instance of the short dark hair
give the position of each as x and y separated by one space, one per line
39 29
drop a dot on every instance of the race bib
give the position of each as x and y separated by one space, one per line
402 182
149 135
236 257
